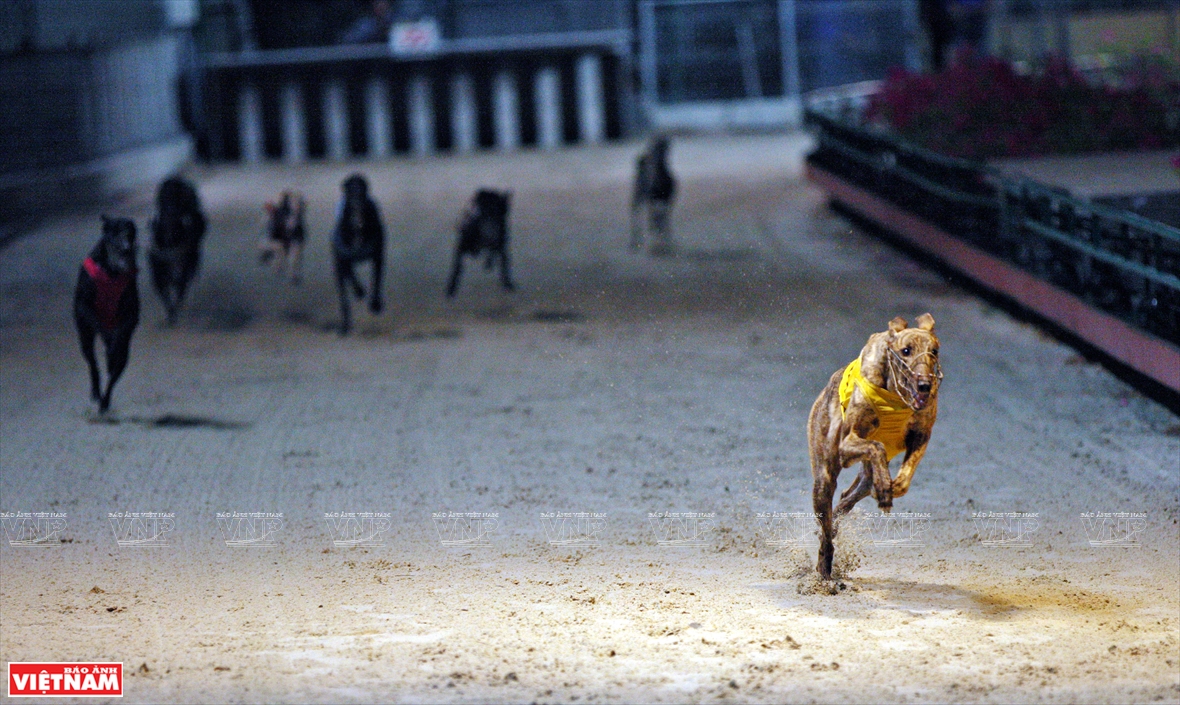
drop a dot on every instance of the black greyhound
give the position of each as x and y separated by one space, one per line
177 231
106 303
655 189
484 228
359 237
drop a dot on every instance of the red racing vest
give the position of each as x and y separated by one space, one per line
110 290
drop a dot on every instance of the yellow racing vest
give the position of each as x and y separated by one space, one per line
891 409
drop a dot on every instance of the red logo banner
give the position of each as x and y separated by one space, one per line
65 679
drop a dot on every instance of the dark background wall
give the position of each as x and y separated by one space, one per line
282 24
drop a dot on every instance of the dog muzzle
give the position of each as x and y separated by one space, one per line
914 389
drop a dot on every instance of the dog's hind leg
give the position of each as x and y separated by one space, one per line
375 301
346 278
662 240
636 221
823 451
117 355
821 501
162 281
86 341
505 271
295 262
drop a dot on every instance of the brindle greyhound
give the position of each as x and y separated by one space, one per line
884 402
106 303
283 235
359 237
655 189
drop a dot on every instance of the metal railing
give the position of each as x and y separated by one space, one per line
1114 260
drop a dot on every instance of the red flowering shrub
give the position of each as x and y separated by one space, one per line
980 108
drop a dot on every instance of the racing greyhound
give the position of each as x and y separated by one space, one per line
359 237
655 190
883 403
106 303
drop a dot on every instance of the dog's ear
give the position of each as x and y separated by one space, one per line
925 321
897 325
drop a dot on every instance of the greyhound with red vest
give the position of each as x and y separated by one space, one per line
106 303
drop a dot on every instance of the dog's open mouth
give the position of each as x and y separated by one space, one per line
921 399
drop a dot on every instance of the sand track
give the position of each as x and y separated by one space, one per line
610 383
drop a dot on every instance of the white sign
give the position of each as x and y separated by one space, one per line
414 38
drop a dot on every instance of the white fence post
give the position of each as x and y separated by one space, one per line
788 24
293 123
590 102
506 111
250 140
336 120
548 101
464 129
378 127
421 116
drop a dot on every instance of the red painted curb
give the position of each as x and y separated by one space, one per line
1141 351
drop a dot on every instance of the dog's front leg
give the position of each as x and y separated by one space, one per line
165 275
188 272
118 352
376 302
854 449
86 334
636 220
913 456
295 262
344 278
505 270
456 270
